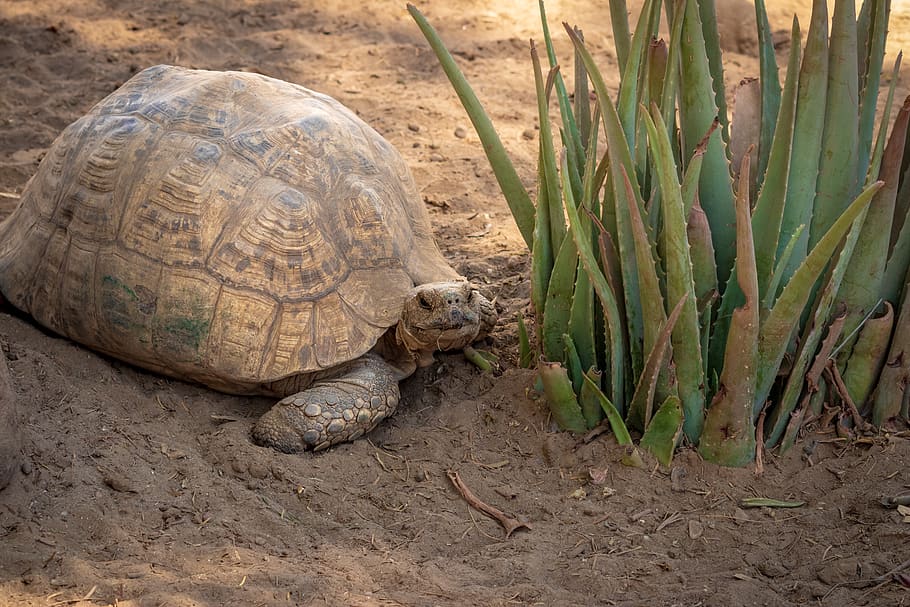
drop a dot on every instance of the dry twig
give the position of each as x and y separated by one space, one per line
508 523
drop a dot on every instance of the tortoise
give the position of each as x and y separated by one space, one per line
245 233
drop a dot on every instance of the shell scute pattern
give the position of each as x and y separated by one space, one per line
224 227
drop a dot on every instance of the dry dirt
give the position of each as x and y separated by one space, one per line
138 490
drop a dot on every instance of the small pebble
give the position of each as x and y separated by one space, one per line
435 157
414 127
27 467
461 132
257 470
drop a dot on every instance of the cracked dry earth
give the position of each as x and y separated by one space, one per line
136 490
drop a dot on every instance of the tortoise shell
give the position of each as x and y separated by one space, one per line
225 227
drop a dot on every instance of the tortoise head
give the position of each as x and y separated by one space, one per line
444 316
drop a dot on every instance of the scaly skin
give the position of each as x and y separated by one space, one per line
346 402
332 410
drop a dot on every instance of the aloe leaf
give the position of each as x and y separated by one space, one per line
640 408
620 159
516 195
698 109
808 129
863 282
582 99
708 15
779 270
890 397
809 341
558 302
633 76
652 301
837 179
868 356
769 208
542 253
525 353
573 364
670 84
561 398
581 320
613 416
663 433
783 419
770 90
547 154
689 187
619 16
605 295
680 281
781 321
571 137
698 231
871 56
728 437
765 502
588 399
899 259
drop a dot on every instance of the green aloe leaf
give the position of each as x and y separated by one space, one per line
837 180
589 400
561 397
770 91
622 39
890 397
808 129
572 141
654 313
516 195
547 153
605 294
783 419
582 105
781 321
899 256
640 408
633 77
871 51
613 416
558 303
670 85
698 109
868 356
664 431
542 254
863 283
680 281
620 160
769 208
708 15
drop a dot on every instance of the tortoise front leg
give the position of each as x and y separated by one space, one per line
332 410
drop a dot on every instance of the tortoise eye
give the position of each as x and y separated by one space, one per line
424 303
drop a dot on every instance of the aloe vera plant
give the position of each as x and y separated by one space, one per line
669 284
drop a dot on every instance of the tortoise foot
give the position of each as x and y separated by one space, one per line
332 410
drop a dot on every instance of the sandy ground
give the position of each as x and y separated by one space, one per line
138 490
